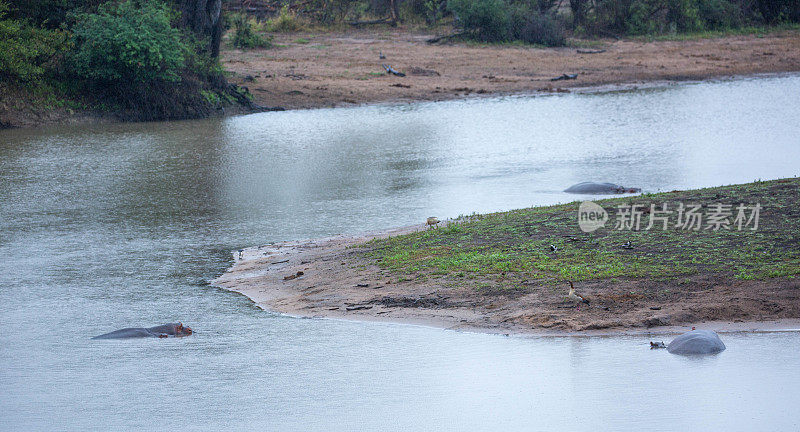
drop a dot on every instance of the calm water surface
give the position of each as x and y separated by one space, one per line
113 226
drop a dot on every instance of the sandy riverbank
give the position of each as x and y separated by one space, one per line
331 69
306 70
327 278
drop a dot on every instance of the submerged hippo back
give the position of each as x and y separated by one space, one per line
171 329
127 333
696 342
600 188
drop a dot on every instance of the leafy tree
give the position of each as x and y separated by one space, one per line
487 20
26 50
128 42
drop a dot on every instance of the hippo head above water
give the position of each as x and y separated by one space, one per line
171 329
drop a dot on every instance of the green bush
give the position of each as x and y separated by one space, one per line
26 51
684 15
498 21
126 42
286 22
720 14
605 17
247 33
128 55
486 20
531 25
48 13
774 11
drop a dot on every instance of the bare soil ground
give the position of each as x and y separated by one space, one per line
336 282
306 70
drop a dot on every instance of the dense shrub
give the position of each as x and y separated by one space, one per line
661 16
540 28
25 50
331 11
432 10
286 21
125 43
497 20
486 20
779 10
48 13
720 14
247 33
128 54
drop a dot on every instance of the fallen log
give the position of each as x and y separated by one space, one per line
591 51
438 39
565 77
372 22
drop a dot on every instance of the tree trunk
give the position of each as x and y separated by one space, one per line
203 17
393 11
578 11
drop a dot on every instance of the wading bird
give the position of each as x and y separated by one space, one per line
575 297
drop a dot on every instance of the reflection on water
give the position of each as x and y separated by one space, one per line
117 225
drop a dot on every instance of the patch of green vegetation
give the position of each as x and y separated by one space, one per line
211 97
26 50
762 30
285 22
247 33
516 245
127 42
507 21
301 41
133 57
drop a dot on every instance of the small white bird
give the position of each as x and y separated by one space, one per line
575 297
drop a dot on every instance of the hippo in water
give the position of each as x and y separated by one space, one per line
600 188
696 342
171 329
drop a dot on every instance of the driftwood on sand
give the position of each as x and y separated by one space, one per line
591 51
565 77
387 20
438 39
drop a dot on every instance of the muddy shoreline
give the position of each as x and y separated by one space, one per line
321 70
340 69
327 279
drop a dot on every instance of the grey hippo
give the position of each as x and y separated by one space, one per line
600 188
171 329
696 342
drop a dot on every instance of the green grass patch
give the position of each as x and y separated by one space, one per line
763 30
517 244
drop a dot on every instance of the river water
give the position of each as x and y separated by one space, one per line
111 226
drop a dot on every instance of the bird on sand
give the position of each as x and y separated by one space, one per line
380 55
575 297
